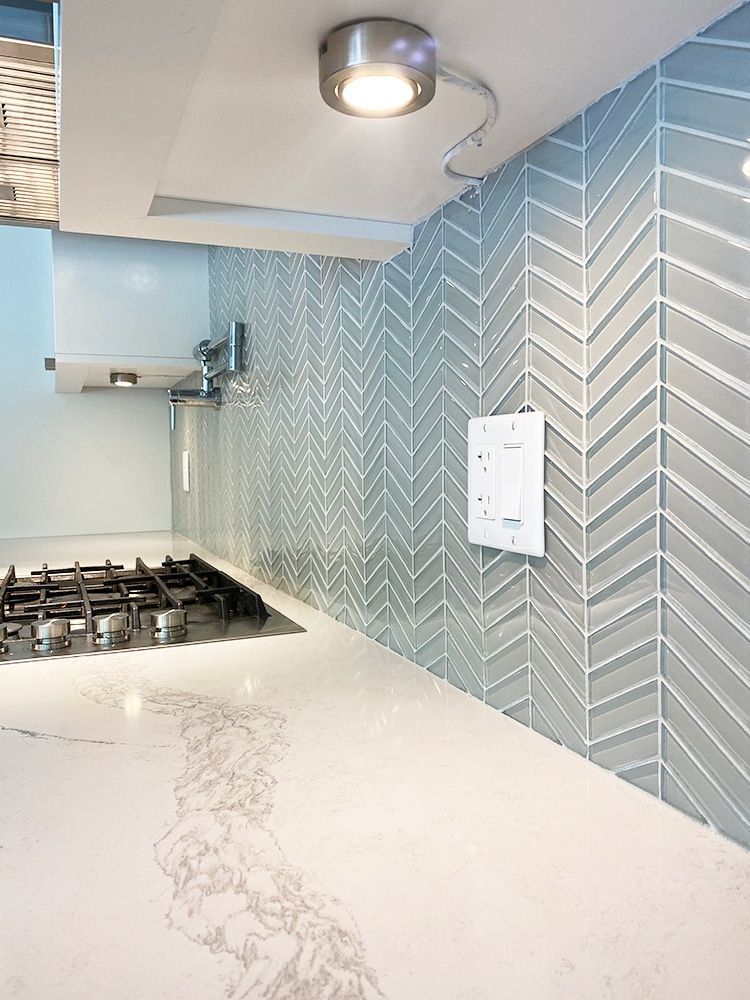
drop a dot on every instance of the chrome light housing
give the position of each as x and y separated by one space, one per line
380 68
123 380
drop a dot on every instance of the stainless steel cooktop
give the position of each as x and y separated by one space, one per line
95 609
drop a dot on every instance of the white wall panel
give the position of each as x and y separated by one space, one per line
71 464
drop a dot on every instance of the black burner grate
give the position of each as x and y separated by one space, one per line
79 593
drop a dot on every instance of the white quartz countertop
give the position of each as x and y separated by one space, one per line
311 816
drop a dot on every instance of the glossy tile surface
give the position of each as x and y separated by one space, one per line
312 816
602 277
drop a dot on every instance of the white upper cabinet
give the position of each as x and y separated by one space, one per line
125 304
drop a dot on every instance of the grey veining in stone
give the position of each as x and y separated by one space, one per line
234 892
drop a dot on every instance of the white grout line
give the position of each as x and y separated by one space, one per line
724 43
703 227
660 404
711 778
625 128
714 279
527 395
726 706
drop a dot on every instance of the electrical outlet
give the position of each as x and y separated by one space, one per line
483 481
506 482
186 471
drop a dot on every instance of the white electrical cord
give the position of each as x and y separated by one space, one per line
476 137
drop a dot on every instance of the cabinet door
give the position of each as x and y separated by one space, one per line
128 298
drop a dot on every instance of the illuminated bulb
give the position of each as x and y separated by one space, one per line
378 94
746 167
124 380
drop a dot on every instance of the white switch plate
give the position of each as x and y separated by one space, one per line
186 471
506 482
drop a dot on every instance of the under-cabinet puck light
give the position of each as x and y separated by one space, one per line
123 380
380 68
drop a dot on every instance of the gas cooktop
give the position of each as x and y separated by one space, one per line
96 609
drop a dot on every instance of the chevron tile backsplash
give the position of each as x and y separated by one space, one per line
602 277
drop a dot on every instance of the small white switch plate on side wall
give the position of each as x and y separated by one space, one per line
186 471
506 482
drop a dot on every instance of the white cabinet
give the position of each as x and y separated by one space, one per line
127 305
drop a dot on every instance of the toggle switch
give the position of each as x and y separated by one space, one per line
511 499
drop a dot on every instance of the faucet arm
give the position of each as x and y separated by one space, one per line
195 397
202 351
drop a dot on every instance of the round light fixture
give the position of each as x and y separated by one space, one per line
379 68
124 380
746 167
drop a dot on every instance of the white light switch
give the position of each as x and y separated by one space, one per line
186 471
511 483
506 482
